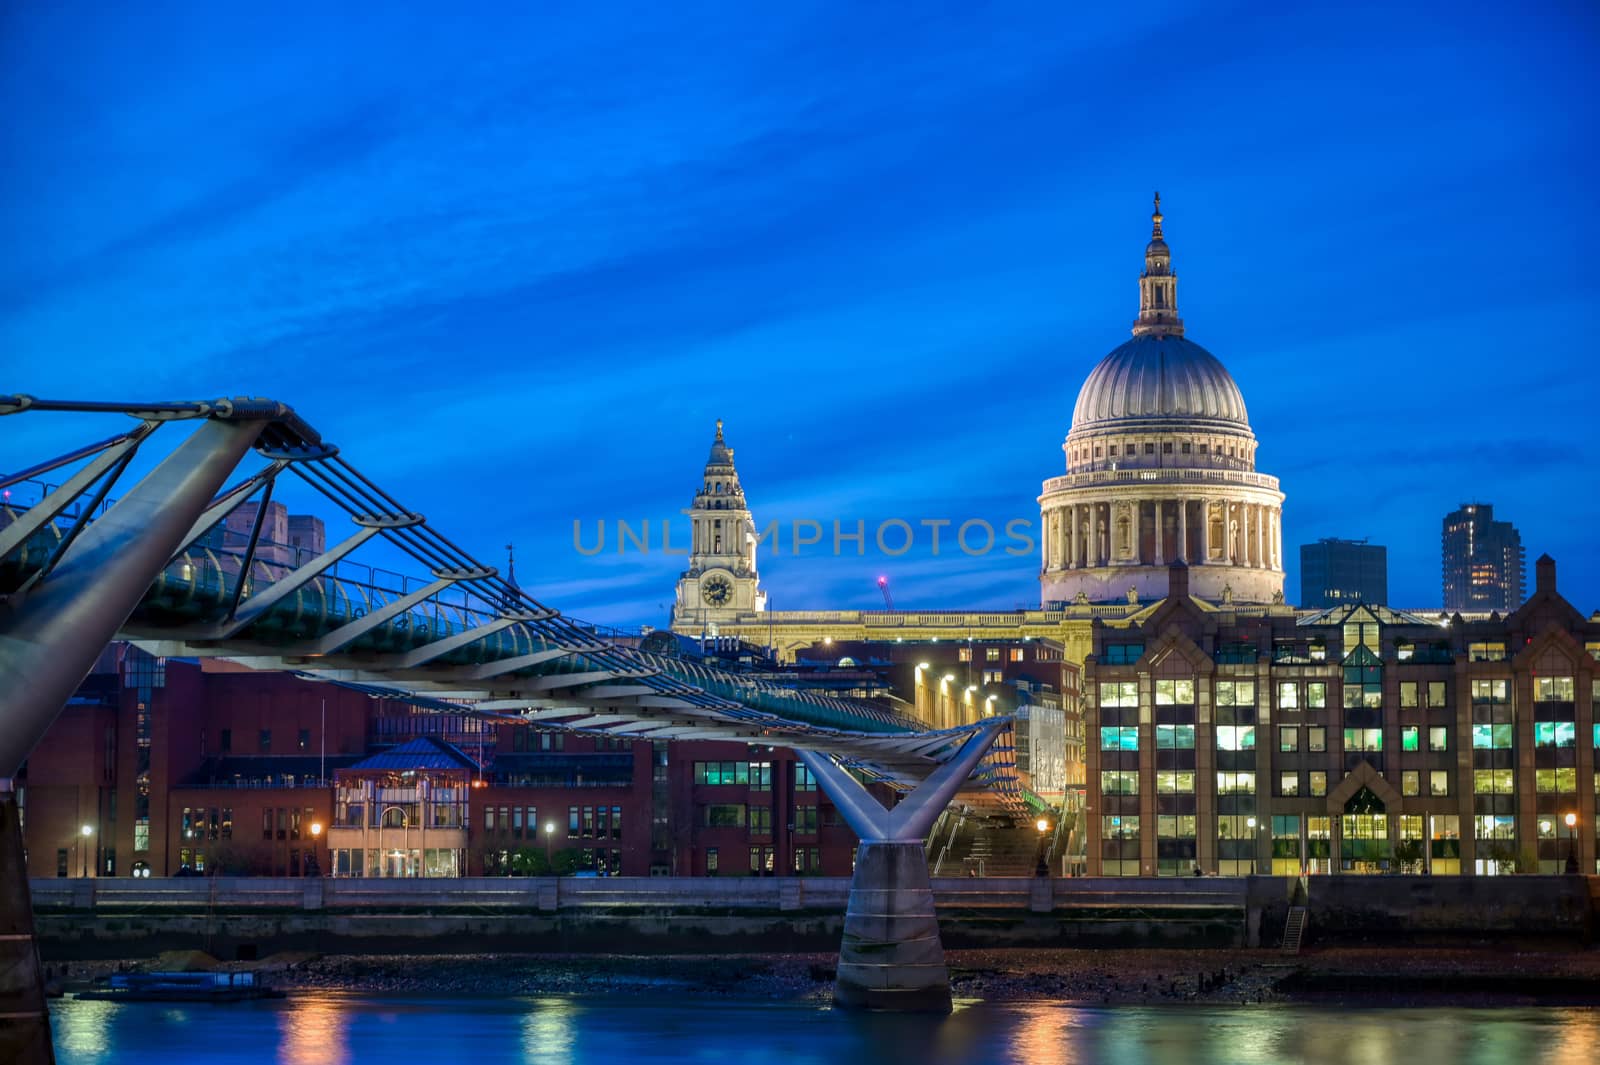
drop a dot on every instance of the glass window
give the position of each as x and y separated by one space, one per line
1408 694
1410 782
1174 692
1288 737
1236 693
1175 737
1491 737
1119 782
1288 783
1316 738
1489 691
1438 738
1439 782
1316 694
1363 739
1555 734
1236 737
1119 827
1174 782
1436 696
1560 781
1119 693
1319 783
1236 783
1409 738
1119 738
1288 695
1552 689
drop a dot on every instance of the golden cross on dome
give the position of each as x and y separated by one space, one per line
719 430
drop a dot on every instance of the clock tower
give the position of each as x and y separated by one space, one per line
721 583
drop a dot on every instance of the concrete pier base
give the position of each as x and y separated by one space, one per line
24 1019
890 957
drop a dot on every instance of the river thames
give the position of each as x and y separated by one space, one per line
333 1028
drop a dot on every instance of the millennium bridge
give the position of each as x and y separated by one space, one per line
91 559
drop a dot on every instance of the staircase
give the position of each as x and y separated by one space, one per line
1294 929
991 847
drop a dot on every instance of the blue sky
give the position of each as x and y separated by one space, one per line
516 266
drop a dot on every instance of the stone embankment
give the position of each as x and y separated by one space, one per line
1488 974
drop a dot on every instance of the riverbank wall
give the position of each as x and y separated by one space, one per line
252 917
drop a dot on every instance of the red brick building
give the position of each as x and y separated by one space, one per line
179 767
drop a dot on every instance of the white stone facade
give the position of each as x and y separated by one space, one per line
1160 467
721 582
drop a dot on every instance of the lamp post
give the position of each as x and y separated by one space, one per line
1041 869
549 832
83 851
1572 844
314 862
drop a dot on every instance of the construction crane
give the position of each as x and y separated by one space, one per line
883 586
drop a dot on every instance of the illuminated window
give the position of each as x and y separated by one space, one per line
1486 652
1175 737
1174 692
1363 739
1288 783
1119 782
1436 696
1555 734
1175 782
1491 737
1119 693
1552 690
1316 738
1236 737
1490 691
1410 782
1119 738
1316 691
1288 738
1408 694
1319 783
1492 782
1408 738
1438 782
991 654
1288 695
1561 781
1236 783
1236 693
1438 738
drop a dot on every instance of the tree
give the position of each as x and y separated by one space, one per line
529 861
1408 852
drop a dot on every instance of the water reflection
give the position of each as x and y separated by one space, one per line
311 1031
550 1032
344 1029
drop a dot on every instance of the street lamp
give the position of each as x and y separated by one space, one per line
549 831
83 852
313 862
1041 869
1572 845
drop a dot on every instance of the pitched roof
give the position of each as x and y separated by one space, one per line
424 752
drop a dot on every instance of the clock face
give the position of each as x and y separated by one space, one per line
716 590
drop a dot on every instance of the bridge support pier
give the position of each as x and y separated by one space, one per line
891 957
24 1018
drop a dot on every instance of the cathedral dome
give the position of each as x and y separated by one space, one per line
1159 378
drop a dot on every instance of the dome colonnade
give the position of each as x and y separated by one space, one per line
1160 468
